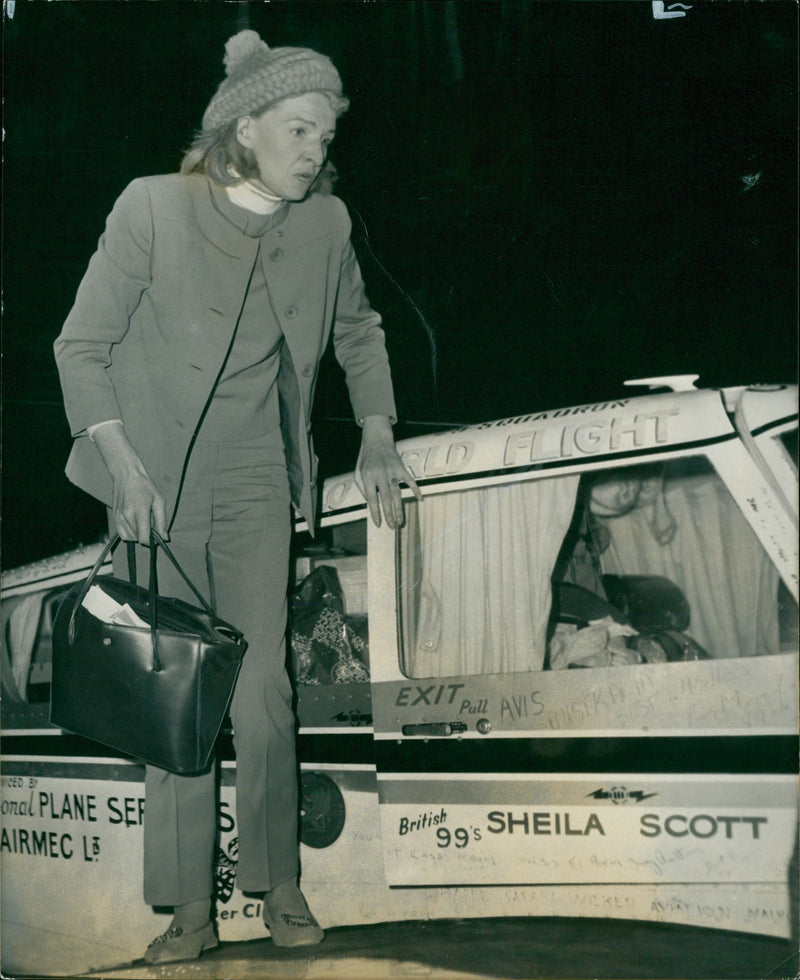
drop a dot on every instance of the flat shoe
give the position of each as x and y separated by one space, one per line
293 930
175 944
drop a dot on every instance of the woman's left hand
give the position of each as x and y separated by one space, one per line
380 471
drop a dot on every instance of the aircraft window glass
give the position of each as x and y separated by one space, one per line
27 657
475 577
636 565
328 607
681 524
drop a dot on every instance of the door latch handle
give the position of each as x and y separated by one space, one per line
439 728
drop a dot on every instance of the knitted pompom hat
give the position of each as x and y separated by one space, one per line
257 75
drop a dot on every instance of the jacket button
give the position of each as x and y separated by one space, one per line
308 370
276 254
308 428
290 312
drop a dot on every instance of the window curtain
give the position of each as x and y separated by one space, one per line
21 616
713 556
476 569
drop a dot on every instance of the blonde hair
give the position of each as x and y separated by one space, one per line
218 154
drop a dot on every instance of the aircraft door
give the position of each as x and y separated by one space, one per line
497 764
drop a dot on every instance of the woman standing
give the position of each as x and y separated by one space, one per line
188 364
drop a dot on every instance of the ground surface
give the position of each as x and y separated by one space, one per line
506 949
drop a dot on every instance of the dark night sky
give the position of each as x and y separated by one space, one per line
548 195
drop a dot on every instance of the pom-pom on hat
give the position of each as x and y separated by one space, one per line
257 75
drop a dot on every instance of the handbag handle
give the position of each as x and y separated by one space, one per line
156 541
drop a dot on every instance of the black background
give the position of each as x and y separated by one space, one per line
547 198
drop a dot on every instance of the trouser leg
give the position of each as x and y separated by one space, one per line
180 811
179 836
249 564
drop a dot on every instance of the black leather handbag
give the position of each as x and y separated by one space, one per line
158 693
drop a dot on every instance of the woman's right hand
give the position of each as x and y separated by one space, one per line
137 504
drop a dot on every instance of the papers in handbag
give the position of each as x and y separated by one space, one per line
108 610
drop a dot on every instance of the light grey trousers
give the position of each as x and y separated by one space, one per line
231 536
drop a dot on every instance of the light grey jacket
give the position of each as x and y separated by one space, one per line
155 313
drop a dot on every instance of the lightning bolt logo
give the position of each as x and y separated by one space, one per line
620 795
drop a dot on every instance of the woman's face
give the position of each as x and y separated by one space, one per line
290 142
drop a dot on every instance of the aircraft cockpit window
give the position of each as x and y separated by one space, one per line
475 571
683 526
642 564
